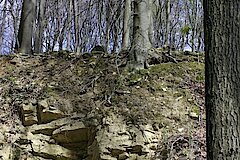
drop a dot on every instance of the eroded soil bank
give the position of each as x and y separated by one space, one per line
63 105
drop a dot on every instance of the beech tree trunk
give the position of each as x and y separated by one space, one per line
222 48
126 27
142 33
39 31
24 43
168 21
3 25
69 24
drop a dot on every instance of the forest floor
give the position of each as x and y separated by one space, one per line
168 95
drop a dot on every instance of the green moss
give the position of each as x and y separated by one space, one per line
173 74
137 76
200 78
166 69
178 94
12 79
97 52
179 71
134 80
195 109
49 89
197 71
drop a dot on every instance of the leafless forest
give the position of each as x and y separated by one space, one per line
79 25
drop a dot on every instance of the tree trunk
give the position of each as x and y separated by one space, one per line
24 43
70 16
39 31
142 33
222 47
3 25
168 21
76 26
126 27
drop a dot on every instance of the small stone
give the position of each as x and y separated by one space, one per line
153 147
164 89
2 138
193 115
43 103
180 129
123 156
52 141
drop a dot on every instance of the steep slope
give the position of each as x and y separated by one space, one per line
63 105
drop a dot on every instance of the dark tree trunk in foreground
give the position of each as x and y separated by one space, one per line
222 42
24 43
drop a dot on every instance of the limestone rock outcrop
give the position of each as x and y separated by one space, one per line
75 137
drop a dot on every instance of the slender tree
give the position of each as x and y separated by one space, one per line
168 21
222 47
126 25
40 26
24 43
2 25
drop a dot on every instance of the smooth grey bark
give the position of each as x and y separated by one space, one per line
70 16
142 33
24 44
168 21
3 25
126 25
40 27
222 49
76 25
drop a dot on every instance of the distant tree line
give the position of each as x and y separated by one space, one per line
79 25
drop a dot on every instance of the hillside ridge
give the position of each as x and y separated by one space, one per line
63 105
